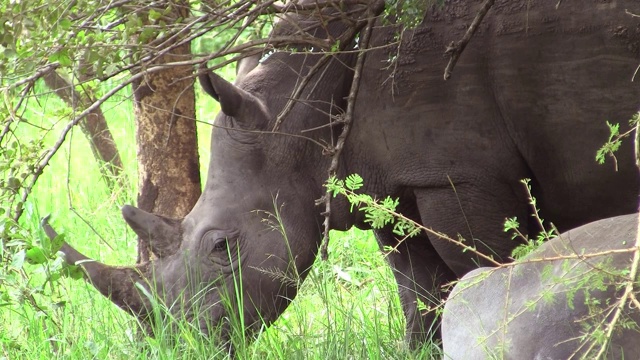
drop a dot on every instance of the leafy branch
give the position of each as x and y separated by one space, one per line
615 140
512 224
630 281
382 213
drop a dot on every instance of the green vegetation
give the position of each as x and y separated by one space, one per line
615 140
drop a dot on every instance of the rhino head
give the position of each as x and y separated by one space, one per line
252 236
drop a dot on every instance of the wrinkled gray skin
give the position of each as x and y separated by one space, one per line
523 102
501 313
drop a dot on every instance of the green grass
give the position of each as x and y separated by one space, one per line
348 307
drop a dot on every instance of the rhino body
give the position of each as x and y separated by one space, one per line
528 99
554 309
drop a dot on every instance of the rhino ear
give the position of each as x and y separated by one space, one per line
234 101
163 234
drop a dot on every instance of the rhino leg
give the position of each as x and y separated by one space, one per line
420 273
477 214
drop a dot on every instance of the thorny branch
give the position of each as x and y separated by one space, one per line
435 234
456 48
348 118
633 271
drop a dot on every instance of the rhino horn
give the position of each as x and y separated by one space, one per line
119 284
161 233
233 101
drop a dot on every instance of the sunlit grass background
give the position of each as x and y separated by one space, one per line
347 308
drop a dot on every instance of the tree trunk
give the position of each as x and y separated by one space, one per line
168 163
94 126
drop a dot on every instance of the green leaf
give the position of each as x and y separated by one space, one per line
612 145
511 224
56 244
154 15
54 276
614 130
146 35
18 259
73 271
390 203
36 256
65 24
61 56
354 182
13 183
336 46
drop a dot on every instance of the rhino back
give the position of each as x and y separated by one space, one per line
528 98
545 310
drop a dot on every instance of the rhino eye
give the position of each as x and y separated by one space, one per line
220 244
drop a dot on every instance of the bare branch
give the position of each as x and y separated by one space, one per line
344 40
94 126
293 6
455 49
348 118
37 75
630 13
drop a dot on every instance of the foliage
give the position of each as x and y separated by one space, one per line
615 140
378 213
92 43
98 48
528 245
383 213
579 281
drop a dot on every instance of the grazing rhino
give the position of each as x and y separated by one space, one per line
549 309
528 99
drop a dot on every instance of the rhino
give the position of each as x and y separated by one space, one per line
528 99
557 308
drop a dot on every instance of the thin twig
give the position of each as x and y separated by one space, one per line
345 40
298 90
49 155
633 272
435 234
316 5
455 49
14 109
324 147
637 143
348 118
630 13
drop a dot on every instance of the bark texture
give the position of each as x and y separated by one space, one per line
168 164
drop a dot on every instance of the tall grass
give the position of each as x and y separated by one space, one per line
347 308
